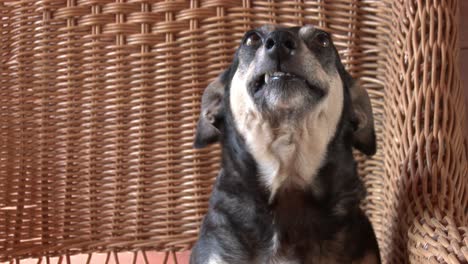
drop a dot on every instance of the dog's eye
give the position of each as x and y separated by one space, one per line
253 40
323 40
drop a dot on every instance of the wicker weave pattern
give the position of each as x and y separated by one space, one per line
426 194
99 98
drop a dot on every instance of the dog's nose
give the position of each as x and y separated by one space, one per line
280 45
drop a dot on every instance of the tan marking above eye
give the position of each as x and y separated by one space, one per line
306 30
268 28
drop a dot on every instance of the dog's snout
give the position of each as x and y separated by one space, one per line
280 44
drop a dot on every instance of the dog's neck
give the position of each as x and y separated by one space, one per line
335 189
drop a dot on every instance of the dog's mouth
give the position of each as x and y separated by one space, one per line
282 79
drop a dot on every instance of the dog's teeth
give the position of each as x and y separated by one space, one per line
278 74
275 76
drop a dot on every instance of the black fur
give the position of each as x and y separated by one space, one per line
241 222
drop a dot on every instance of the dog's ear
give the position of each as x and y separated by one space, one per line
207 131
364 134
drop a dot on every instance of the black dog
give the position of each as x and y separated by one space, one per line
288 115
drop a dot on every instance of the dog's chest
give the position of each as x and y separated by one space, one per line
328 252
302 233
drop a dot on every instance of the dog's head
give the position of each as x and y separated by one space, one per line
284 79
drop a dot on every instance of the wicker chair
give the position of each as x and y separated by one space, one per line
99 98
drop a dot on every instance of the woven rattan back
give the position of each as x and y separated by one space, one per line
99 98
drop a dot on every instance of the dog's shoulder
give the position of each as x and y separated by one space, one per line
236 227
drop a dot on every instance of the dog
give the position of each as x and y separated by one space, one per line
287 115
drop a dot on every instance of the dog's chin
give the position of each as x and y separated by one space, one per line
284 94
